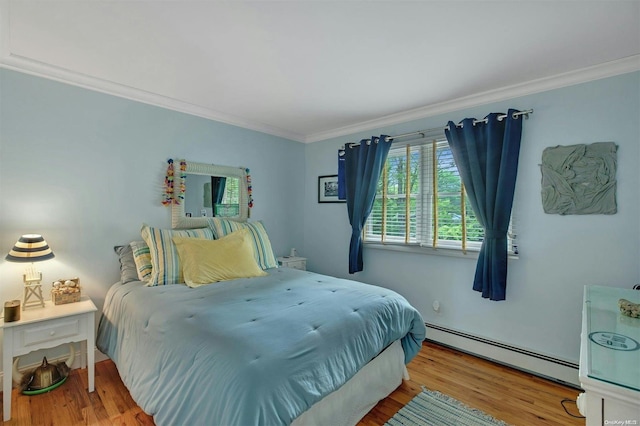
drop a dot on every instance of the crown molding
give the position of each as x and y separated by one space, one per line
30 66
39 69
33 67
584 75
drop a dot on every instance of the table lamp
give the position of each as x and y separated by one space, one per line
31 248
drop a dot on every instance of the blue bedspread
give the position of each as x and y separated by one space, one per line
257 351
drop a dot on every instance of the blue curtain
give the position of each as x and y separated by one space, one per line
486 154
218 184
363 165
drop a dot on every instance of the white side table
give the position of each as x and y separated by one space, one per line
40 328
294 262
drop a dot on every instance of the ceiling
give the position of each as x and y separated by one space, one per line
309 70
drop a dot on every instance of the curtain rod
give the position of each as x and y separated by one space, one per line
435 129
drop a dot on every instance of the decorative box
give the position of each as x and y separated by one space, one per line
65 291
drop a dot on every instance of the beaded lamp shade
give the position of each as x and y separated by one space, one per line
30 248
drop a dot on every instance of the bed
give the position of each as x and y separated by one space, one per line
287 347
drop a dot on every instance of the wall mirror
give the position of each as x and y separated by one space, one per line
211 190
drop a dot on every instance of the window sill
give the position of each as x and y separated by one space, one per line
430 251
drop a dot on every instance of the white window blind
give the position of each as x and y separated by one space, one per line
420 201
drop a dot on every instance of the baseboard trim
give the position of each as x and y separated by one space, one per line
548 367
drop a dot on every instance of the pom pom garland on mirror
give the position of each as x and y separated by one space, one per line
170 195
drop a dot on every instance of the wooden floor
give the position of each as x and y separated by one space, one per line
515 397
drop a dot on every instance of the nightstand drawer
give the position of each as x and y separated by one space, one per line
46 334
301 264
295 262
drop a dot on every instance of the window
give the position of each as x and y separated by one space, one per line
420 200
230 203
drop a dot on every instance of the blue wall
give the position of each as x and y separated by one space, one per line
86 169
558 254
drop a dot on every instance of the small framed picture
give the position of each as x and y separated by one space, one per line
328 189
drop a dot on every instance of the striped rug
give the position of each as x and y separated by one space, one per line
431 408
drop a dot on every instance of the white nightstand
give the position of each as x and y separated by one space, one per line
293 262
40 328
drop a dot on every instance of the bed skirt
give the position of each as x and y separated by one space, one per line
349 404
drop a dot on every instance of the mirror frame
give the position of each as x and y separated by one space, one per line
178 216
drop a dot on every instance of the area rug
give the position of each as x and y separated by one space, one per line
431 408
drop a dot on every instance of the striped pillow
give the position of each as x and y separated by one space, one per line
142 259
263 251
164 255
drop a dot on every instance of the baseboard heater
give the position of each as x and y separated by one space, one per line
545 366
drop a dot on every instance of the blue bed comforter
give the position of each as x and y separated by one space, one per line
257 351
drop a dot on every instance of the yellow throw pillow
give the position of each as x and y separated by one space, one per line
263 251
208 261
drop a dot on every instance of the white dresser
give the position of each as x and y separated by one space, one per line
609 358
